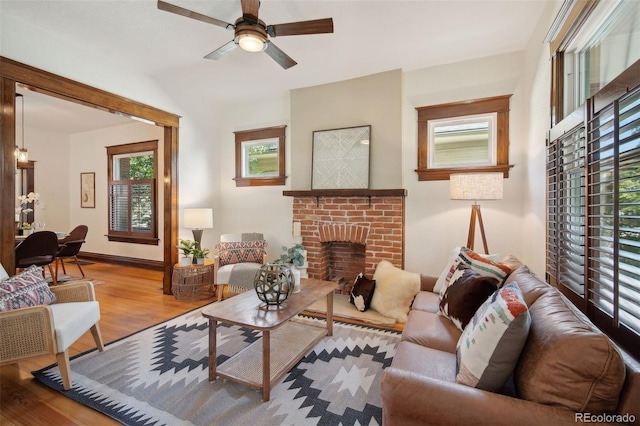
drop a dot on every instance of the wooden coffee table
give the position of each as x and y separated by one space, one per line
255 366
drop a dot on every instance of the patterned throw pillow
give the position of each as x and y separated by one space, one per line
28 288
482 264
464 295
490 345
241 252
362 292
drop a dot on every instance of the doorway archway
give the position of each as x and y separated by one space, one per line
11 73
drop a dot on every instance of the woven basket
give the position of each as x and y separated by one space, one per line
193 283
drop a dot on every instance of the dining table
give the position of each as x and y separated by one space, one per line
21 238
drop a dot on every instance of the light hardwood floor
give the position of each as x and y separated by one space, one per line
130 299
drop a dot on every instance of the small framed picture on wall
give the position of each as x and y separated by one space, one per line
88 190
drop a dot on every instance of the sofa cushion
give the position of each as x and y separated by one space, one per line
241 252
28 288
490 346
426 301
567 361
362 292
411 357
431 330
395 290
466 291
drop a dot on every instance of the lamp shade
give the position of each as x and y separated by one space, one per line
198 218
476 186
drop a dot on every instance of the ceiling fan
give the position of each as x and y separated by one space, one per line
252 34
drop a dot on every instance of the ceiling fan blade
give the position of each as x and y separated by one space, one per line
317 26
168 7
250 9
279 56
222 50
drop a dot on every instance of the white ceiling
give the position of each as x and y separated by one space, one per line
369 37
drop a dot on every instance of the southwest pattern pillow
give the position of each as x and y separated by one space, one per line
490 345
465 294
26 289
241 252
482 264
362 292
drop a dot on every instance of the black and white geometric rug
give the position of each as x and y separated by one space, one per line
159 376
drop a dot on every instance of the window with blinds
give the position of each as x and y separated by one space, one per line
593 212
132 193
614 212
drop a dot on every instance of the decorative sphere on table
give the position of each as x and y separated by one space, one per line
274 282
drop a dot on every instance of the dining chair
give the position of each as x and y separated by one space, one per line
38 249
69 247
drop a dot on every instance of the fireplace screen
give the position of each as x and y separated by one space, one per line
341 158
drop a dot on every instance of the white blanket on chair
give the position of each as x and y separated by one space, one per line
242 276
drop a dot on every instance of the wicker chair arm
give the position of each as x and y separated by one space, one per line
26 333
78 291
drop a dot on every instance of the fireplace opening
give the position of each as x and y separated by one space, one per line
346 262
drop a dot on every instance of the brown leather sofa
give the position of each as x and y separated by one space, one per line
568 372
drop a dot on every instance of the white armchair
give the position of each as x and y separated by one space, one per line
238 259
51 329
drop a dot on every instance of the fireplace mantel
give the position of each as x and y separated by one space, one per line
347 193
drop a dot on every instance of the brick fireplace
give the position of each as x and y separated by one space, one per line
342 224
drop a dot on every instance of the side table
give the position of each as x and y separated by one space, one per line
193 282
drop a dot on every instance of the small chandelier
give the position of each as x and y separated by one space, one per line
21 153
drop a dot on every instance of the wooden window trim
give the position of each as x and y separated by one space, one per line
134 237
496 104
257 134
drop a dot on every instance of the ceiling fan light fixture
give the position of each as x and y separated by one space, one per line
251 42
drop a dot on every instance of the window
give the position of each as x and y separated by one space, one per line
469 136
463 142
593 164
601 43
260 157
132 171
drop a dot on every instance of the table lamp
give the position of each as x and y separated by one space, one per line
197 220
476 186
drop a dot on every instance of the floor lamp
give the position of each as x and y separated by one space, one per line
197 220
476 186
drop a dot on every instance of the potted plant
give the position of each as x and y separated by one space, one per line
26 229
187 247
293 256
199 254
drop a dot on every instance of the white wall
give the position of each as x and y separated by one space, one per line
259 208
88 154
536 82
50 151
435 224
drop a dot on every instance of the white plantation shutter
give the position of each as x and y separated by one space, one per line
132 193
593 216
614 213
